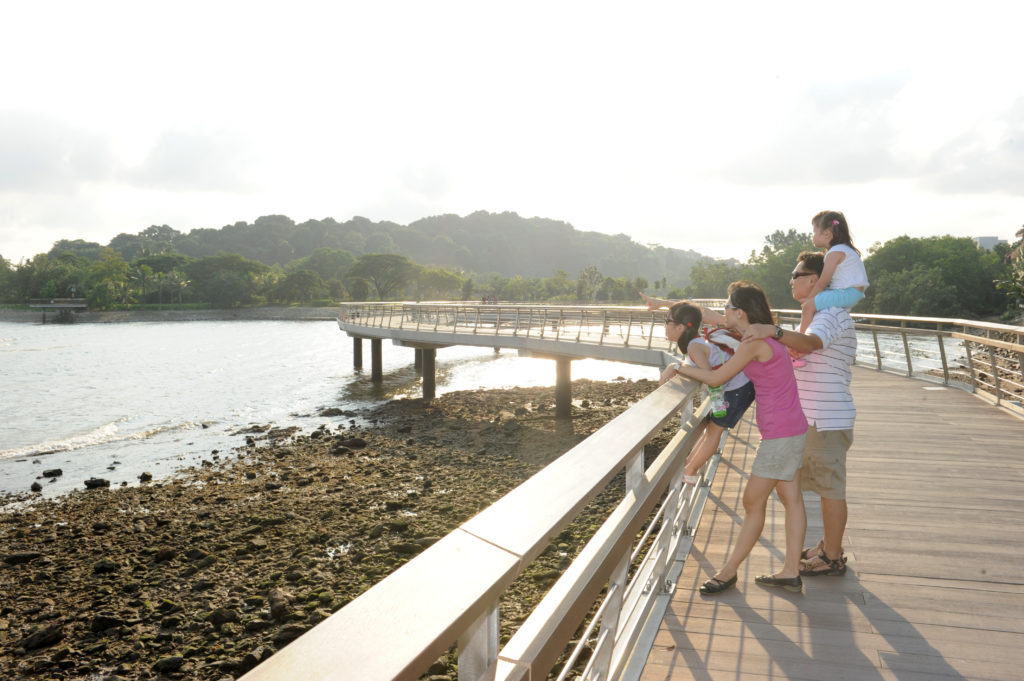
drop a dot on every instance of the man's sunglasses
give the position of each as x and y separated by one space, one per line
797 275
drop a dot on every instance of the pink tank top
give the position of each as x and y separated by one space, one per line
779 413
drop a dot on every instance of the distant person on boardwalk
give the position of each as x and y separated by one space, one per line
843 279
709 350
783 427
830 344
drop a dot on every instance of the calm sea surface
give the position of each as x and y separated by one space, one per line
114 400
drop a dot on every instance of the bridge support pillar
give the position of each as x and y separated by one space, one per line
376 361
429 377
357 353
563 387
418 359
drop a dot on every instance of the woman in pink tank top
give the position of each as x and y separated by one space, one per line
783 427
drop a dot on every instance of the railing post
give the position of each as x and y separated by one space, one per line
878 349
995 372
516 331
942 354
478 646
906 347
629 328
604 325
558 329
970 365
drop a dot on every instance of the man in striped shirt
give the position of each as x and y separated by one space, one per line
824 385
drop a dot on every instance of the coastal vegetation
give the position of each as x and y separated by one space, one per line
483 255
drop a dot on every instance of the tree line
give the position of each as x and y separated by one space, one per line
940 276
935 276
327 276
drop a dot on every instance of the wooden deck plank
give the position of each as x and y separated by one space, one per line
935 586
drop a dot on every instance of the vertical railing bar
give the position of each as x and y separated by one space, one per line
995 372
906 347
878 349
629 328
970 364
942 354
604 325
478 646
518 311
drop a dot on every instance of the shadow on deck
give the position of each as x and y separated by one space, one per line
935 588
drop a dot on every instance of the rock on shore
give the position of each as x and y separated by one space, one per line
205 575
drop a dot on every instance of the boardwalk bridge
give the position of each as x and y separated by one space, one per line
935 589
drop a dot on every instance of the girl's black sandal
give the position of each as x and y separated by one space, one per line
715 585
794 584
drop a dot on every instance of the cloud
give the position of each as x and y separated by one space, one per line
841 133
44 155
197 161
986 160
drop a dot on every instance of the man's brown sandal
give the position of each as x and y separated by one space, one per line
823 565
813 551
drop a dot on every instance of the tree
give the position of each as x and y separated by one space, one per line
300 286
957 262
589 283
329 263
108 280
1013 282
227 279
438 283
387 273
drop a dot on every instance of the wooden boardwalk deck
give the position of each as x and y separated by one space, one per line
935 586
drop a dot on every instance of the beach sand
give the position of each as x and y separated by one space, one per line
203 575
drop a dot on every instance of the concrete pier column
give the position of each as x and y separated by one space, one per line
563 387
357 353
429 378
418 359
376 361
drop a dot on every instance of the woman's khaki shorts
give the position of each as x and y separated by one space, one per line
824 471
780 458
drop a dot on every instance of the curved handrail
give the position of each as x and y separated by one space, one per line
451 590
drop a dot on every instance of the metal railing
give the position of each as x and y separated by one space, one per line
450 592
981 357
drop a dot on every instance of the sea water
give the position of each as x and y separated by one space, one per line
114 400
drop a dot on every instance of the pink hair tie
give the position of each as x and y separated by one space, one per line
835 223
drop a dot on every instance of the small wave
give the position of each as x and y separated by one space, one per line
105 434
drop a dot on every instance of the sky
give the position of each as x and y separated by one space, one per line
702 126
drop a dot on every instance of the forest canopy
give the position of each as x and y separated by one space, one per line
484 255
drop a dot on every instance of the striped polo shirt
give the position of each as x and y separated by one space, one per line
824 382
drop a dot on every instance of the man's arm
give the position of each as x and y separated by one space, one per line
801 342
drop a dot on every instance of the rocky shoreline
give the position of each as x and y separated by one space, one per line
204 575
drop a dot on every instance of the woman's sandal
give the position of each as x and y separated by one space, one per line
715 585
823 565
794 584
